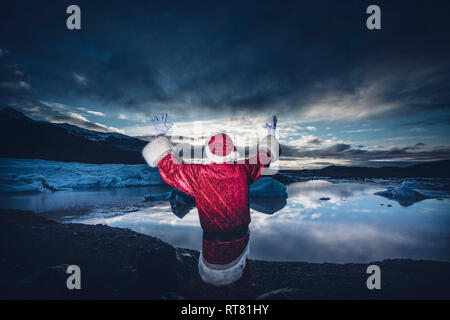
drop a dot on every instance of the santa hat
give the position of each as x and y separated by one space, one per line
220 148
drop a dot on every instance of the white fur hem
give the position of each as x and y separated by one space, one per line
231 157
223 277
156 150
269 143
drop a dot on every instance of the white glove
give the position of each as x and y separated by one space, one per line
161 127
271 127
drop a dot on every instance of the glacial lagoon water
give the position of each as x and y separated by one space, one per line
322 221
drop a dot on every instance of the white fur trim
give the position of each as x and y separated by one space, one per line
270 143
156 150
223 277
231 157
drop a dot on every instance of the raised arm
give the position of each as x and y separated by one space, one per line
269 150
158 153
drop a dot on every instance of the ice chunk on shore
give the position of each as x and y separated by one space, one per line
263 188
268 188
181 203
34 175
267 196
406 195
268 205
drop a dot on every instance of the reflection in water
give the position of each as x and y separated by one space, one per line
66 205
353 225
180 202
268 205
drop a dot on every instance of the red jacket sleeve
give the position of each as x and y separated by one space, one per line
255 164
179 175
268 151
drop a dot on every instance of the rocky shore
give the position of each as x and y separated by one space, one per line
121 264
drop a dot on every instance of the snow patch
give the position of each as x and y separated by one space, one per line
92 135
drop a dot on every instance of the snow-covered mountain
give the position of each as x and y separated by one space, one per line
117 139
23 137
93 135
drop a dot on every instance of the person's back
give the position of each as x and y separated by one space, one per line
221 192
222 197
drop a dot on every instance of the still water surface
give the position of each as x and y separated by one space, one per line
321 221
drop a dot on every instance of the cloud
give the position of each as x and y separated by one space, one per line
54 106
76 116
107 128
315 141
15 85
241 128
96 113
80 79
364 130
418 129
61 113
32 109
354 155
211 73
272 58
82 122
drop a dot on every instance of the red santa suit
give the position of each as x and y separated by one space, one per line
221 192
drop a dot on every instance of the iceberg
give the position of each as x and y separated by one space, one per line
268 195
181 203
268 205
268 188
34 175
406 194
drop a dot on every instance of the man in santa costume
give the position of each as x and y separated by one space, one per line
221 191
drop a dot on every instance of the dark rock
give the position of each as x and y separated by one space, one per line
157 270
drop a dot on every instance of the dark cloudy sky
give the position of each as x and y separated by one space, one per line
343 94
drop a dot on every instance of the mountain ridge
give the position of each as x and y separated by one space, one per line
23 137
